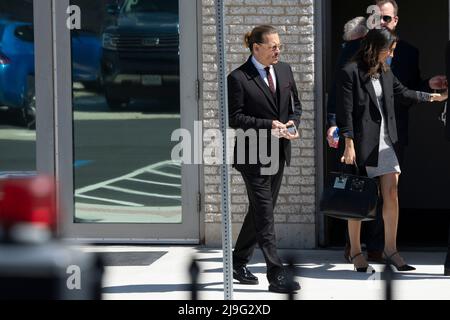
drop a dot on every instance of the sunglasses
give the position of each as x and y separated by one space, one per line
387 19
275 47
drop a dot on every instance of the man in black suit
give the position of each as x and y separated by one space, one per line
263 100
405 66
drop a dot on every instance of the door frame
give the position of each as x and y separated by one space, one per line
54 96
321 13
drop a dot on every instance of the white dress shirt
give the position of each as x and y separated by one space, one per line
261 69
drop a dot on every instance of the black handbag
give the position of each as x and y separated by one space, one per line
350 197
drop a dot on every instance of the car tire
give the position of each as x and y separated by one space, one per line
93 86
114 102
29 113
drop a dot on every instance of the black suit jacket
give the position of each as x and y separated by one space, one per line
252 106
348 51
358 116
405 66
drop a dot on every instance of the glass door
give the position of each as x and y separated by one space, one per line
17 90
127 74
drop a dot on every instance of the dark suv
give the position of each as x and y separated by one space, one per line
141 52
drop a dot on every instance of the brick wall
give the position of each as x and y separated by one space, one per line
294 19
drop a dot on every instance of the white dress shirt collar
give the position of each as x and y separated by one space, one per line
262 72
259 65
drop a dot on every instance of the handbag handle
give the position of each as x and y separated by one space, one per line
354 164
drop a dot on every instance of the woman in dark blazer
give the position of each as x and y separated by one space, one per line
366 118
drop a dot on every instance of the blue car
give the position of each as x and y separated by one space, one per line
17 65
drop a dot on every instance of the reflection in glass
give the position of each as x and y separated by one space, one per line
17 92
126 90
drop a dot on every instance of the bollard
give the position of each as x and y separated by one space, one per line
194 271
388 281
291 277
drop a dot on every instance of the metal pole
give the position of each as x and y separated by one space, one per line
223 105
43 48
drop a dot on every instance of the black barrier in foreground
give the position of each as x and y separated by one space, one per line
34 263
388 281
194 272
387 276
291 277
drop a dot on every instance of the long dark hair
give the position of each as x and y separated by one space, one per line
375 41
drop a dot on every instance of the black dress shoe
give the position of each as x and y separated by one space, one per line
281 284
244 276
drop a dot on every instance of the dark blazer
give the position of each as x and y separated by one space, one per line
358 116
348 51
252 106
405 66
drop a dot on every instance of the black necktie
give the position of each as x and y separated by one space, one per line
269 78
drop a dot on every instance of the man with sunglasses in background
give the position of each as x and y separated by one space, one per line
405 66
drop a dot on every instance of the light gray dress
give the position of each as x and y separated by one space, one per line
387 159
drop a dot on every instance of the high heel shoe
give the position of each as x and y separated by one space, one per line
368 269
403 268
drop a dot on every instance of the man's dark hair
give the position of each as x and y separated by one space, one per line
257 35
393 2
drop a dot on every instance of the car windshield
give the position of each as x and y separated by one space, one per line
170 6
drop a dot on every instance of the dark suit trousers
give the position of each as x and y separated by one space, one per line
259 223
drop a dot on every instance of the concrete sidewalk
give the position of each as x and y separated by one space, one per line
161 273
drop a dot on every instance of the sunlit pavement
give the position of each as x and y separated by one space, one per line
323 275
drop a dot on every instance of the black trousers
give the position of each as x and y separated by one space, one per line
259 223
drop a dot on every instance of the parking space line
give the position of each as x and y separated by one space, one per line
156 183
156 195
165 174
153 169
125 203
127 176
